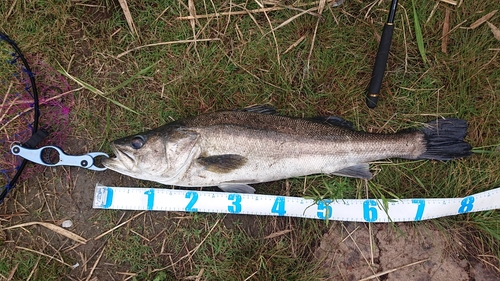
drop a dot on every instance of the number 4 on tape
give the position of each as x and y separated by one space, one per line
363 210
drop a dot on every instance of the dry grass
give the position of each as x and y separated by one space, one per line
307 59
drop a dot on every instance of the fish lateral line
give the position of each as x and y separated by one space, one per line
227 148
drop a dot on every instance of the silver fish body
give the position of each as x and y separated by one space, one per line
232 149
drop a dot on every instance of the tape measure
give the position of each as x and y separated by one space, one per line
360 210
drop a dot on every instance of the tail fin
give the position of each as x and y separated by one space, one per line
445 139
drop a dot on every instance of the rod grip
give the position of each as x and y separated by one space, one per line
379 67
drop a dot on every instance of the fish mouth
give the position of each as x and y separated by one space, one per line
121 160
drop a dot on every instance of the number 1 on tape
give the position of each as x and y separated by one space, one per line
362 210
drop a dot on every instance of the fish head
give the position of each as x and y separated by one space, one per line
158 155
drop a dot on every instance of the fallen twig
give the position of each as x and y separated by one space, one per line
494 30
446 30
118 226
54 228
95 264
451 2
254 11
191 252
277 234
45 255
166 43
392 270
128 17
482 20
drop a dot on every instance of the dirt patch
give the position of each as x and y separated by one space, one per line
348 251
53 196
353 251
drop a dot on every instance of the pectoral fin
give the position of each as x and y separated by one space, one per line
361 171
237 188
222 163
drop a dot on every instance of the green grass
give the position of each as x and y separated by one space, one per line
241 69
30 265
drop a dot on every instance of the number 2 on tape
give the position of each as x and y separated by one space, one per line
194 197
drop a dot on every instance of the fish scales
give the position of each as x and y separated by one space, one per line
232 149
272 155
290 135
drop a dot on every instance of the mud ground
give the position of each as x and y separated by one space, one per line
348 251
356 251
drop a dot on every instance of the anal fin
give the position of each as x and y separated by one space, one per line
236 187
360 171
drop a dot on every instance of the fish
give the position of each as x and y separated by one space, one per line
233 149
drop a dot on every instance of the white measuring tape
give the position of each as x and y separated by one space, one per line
360 210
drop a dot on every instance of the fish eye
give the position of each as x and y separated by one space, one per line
137 142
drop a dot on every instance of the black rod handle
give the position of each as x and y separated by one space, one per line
379 67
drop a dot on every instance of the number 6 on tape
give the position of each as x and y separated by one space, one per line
369 210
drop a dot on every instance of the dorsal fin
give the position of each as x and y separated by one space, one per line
260 108
333 120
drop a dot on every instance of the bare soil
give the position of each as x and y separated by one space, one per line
348 251
353 251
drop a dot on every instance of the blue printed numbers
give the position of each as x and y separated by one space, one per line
194 197
279 206
420 208
466 205
236 204
151 199
324 209
370 213
109 197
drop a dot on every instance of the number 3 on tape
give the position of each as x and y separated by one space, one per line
235 208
